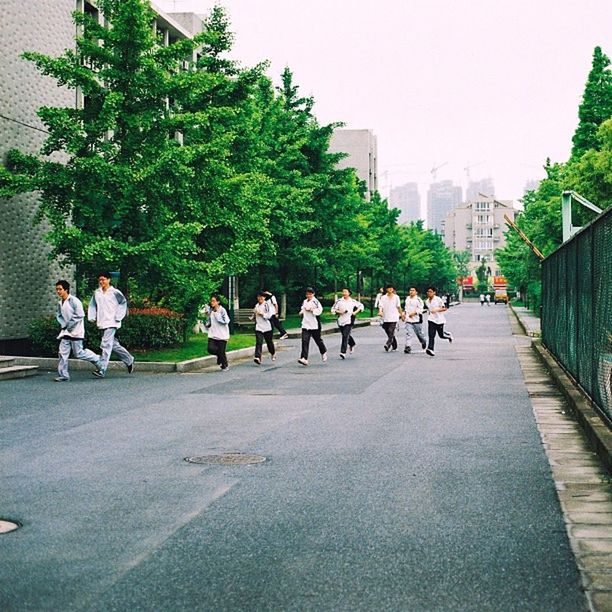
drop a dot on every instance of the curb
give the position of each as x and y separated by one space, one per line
595 429
162 367
526 330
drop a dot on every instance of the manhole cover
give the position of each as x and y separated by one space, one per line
227 459
8 526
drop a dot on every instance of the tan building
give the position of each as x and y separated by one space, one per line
478 226
362 154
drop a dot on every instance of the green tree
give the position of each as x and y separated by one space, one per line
596 106
151 183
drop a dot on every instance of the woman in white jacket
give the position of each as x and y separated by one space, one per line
218 331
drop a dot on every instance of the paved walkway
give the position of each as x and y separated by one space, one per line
392 482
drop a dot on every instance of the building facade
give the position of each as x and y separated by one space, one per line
478 226
442 197
408 200
362 154
27 274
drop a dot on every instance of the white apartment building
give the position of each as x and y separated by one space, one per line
27 276
362 154
478 226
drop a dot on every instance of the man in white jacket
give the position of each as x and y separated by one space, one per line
346 308
435 320
264 312
414 319
107 308
390 309
311 326
70 315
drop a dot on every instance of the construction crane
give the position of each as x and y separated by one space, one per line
434 170
469 166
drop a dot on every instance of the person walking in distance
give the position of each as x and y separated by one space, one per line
263 312
275 321
108 308
488 299
346 308
436 320
390 309
70 315
311 327
218 331
482 299
414 319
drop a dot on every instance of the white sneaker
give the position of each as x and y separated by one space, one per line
351 350
303 361
342 356
257 360
273 357
324 357
430 352
284 337
449 337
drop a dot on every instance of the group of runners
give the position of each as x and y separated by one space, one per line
108 307
346 308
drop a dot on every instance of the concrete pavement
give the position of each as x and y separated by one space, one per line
393 482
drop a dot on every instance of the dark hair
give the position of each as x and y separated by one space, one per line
432 288
389 286
214 295
309 290
261 293
343 288
64 284
413 287
105 275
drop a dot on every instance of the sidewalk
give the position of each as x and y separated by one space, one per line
579 448
527 320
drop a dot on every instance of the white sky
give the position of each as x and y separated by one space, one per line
493 83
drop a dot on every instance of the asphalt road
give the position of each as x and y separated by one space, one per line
392 482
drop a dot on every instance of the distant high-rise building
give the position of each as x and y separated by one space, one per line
442 197
362 154
477 188
531 185
407 199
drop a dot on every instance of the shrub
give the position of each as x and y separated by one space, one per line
143 328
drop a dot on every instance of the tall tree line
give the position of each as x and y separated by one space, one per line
588 172
183 167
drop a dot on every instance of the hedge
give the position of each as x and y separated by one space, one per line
142 329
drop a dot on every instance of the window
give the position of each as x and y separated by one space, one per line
483 206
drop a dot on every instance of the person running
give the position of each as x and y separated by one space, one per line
390 309
436 320
263 312
488 299
218 331
346 308
311 327
482 299
275 321
70 315
380 293
107 309
414 319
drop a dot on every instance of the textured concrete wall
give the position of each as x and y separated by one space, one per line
26 274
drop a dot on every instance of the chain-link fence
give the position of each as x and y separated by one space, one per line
577 308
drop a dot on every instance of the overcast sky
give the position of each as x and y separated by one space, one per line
494 84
